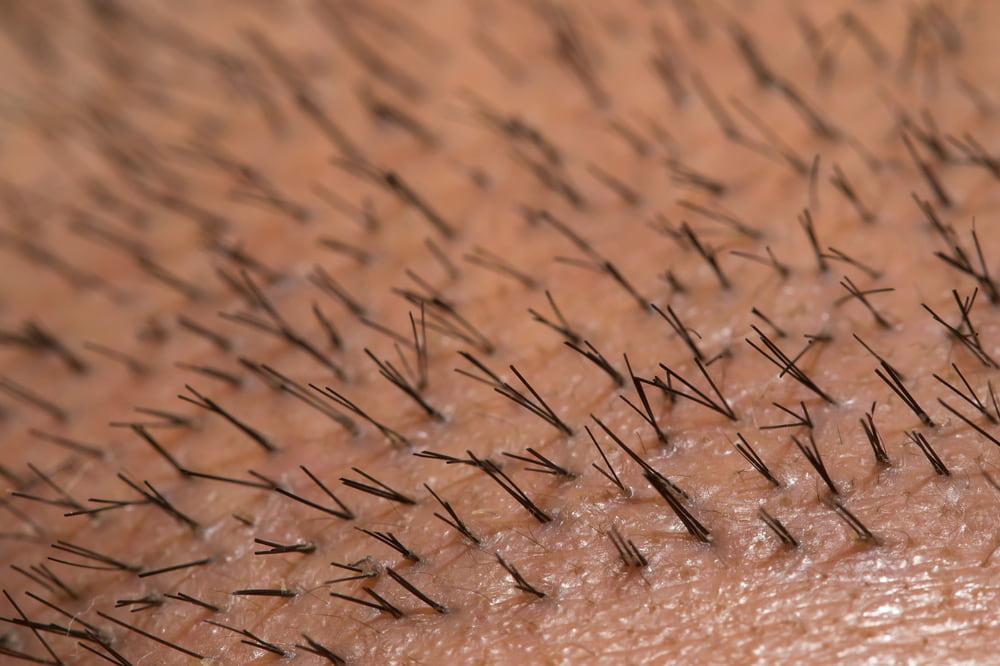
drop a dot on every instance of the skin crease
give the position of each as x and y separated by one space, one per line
925 593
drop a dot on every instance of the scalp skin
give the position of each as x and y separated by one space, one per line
925 592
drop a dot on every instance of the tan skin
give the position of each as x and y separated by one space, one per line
923 588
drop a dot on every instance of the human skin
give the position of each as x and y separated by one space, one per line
923 590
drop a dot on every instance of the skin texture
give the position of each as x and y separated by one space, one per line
145 81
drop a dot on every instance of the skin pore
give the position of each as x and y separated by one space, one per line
188 183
